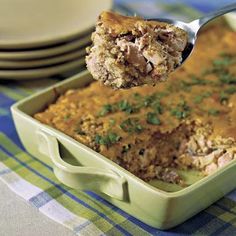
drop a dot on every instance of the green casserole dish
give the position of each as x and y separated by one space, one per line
81 168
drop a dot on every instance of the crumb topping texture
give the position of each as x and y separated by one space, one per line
130 51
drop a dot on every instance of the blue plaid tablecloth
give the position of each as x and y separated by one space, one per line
85 212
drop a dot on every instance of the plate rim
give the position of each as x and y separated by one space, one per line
44 62
76 44
41 72
47 41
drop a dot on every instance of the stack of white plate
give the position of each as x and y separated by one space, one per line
44 38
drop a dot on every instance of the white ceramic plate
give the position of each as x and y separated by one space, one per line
46 52
32 23
27 64
231 19
43 72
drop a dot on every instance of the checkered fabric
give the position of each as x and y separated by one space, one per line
85 212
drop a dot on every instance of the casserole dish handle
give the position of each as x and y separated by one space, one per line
80 177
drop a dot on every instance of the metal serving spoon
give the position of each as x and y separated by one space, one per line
193 27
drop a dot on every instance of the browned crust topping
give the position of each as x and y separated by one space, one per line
117 24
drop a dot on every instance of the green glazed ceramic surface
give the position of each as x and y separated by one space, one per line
158 204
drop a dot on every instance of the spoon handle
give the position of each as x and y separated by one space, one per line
206 18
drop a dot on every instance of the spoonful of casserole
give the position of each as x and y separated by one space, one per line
131 51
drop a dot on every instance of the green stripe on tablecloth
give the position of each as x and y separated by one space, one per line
43 184
62 198
22 89
15 166
227 217
227 204
29 87
3 157
134 230
210 228
3 111
85 213
221 218
11 93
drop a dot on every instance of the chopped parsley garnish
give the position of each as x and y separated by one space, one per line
137 96
157 107
220 67
213 112
227 78
224 97
153 119
162 94
131 125
183 85
197 81
194 80
181 111
108 139
107 108
199 98
125 106
66 117
152 101
221 70
148 100
225 60
112 121
122 105
230 90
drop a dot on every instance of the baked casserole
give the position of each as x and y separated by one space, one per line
188 122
